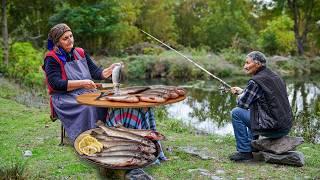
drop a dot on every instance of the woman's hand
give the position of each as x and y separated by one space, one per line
107 72
76 84
87 84
236 90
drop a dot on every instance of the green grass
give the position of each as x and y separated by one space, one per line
25 128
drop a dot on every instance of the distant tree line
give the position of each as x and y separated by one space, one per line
108 27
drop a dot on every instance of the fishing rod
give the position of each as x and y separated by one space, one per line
215 77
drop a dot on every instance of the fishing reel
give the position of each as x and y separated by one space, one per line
223 89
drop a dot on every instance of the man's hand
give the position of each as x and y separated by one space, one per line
236 90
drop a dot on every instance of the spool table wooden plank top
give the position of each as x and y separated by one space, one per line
90 99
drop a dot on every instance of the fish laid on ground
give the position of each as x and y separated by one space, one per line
150 134
120 147
125 134
137 154
108 144
142 148
119 161
96 131
105 137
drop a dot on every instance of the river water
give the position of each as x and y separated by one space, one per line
208 110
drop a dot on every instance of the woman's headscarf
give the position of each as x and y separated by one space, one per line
55 33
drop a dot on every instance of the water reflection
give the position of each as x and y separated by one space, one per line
305 103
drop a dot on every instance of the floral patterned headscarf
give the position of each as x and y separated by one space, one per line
55 33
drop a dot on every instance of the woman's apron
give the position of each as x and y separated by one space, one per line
76 118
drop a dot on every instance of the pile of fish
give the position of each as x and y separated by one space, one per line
154 94
123 147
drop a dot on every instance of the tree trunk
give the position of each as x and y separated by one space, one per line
295 12
300 46
301 26
5 34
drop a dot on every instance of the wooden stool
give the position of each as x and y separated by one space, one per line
63 131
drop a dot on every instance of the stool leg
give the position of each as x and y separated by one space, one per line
62 135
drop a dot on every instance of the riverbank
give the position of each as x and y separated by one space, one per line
171 66
24 128
166 64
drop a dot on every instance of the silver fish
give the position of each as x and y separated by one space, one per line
121 98
116 77
150 134
104 136
112 143
125 134
119 161
138 154
142 148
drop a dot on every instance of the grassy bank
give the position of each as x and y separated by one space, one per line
25 128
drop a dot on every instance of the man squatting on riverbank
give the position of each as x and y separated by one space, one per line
263 107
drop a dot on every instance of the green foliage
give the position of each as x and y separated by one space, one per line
89 22
15 170
227 19
170 66
25 64
28 20
278 37
103 26
188 16
315 65
157 18
233 56
152 51
138 66
318 108
109 26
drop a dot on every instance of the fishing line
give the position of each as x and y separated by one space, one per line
215 77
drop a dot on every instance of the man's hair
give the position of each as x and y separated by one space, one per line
258 57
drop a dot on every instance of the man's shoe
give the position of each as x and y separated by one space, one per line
241 156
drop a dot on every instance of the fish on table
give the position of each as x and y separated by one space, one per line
155 94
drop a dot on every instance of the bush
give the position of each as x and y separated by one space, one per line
25 64
278 37
15 170
315 65
233 56
144 48
139 67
